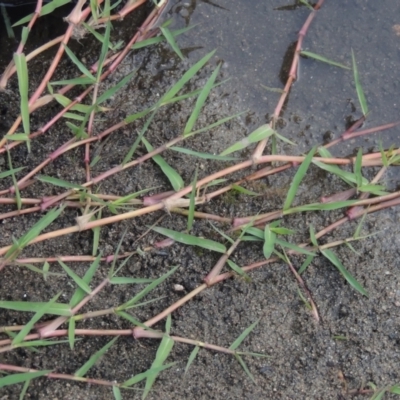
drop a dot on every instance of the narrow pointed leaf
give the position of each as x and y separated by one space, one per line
78 63
94 358
35 231
301 172
357 168
269 242
22 377
171 41
200 102
191 240
305 264
359 89
9 172
246 369
292 246
323 59
163 351
243 190
59 182
224 235
146 290
238 270
121 280
172 175
117 393
205 156
39 314
144 375
243 336
192 356
259 134
71 333
79 293
192 203
346 274
113 90
23 84
77 279
186 77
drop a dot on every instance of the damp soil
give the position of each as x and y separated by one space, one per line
357 340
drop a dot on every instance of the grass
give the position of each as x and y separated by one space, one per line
179 197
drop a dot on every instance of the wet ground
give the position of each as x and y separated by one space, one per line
358 339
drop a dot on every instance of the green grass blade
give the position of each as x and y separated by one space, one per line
346 274
43 223
200 102
269 242
163 351
359 89
94 358
292 246
59 182
168 324
121 280
55 309
71 333
11 172
46 9
17 197
205 156
77 279
96 236
39 314
146 290
79 64
192 202
104 48
171 41
242 190
243 336
258 233
260 133
22 377
23 84
112 91
313 237
74 81
323 59
191 240
395 389
282 139
144 375
224 235
159 39
321 206
24 389
307 4
186 77
246 369
346 176
301 172
192 357
357 168
238 270
79 293
172 175
132 150
117 393
305 264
